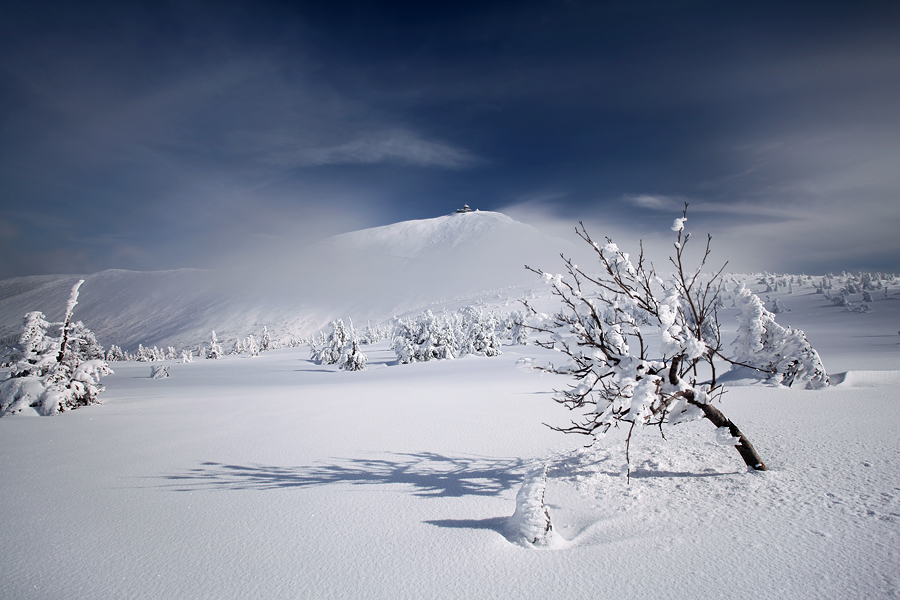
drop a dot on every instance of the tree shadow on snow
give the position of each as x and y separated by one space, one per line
429 474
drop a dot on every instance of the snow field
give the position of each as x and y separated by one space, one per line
272 477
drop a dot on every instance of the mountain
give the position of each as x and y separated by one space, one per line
372 274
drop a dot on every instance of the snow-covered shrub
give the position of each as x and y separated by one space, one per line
530 525
619 376
841 300
779 351
187 356
52 374
159 372
778 307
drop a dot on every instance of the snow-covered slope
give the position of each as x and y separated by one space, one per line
371 274
443 238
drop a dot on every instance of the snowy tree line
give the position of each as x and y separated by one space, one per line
854 292
422 337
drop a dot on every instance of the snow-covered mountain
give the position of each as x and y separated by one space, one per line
370 274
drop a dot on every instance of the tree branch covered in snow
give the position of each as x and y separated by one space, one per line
601 330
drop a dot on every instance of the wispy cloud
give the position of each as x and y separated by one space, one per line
656 202
390 146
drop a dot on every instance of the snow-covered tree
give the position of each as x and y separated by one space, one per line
52 375
340 348
426 337
114 353
215 350
266 344
478 333
330 351
187 356
781 352
620 378
251 346
352 358
516 327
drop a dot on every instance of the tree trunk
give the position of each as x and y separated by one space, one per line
744 447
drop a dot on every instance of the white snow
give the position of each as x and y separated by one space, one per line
275 477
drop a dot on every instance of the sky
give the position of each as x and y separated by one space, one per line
161 135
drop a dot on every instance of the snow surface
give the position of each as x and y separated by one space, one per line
274 477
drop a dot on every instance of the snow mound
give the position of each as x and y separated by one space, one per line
867 379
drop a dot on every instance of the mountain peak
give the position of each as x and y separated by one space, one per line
438 237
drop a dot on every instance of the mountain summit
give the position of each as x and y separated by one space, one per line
441 237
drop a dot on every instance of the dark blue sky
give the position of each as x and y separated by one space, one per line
173 134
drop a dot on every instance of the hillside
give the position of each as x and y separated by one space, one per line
371 274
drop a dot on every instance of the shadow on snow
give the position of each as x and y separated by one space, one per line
429 474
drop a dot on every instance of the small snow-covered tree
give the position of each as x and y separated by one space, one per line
114 353
251 346
516 327
52 375
352 358
330 351
480 333
215 350
619 377
781 352
266 344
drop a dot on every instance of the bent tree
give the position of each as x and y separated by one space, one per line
604 330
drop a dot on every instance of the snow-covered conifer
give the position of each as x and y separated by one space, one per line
352 358
331 350
115 353
767 346
215 350
251 346
52 375
266 344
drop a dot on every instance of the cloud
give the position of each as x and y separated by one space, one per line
390 146
656 202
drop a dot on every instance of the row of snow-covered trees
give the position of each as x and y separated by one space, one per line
451 335
423 337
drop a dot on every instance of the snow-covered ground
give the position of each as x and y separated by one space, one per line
274 477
